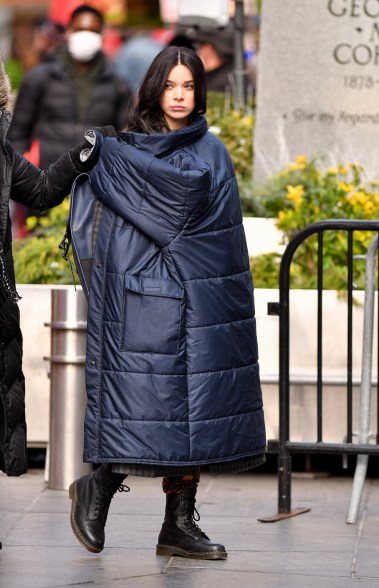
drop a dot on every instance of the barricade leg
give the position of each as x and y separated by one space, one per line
284 491
358 485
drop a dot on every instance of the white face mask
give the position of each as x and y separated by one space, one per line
84 45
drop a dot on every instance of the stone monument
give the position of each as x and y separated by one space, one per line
318 84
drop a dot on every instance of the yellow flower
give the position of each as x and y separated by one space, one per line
360 236
345 187
368 207
358 198
247 121
299 163
361 197
65 206
31 223
332 171
295 194
343 169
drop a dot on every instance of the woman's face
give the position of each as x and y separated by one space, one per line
178 98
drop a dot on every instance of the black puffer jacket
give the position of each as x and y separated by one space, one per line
47 108
22 182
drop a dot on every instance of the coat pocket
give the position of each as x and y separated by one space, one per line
152 311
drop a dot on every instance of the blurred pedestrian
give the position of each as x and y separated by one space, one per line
48 36
181 36
60 99
138 51
252 52
135 56
24 183
215 47
172 364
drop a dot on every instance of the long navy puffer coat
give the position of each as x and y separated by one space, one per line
172 360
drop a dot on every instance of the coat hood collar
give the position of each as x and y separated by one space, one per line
158 144
5 95
5 87
5 122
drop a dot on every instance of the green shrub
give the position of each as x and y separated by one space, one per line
234 126
302 194
265 270
14 69
38 259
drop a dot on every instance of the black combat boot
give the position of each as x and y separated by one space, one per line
180 535
91 496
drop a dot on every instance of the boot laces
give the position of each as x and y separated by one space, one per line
103 500
193 518
123 488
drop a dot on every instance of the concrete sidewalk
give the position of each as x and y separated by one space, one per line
317 549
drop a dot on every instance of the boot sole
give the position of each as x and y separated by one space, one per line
74 526
169 551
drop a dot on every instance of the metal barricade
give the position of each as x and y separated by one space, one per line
67 387
283 446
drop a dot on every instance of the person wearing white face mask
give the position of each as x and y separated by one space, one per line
84 45
77 90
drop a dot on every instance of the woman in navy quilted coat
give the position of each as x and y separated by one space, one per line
172 361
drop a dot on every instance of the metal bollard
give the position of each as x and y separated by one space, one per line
67 387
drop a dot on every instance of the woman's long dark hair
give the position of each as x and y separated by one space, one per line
147 116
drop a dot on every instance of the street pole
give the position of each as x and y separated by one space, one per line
239 60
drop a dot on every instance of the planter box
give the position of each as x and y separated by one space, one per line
35 309
262 236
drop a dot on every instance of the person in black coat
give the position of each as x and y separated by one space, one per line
215 48
59 99
21 182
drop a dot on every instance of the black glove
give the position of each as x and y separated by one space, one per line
107 131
